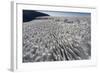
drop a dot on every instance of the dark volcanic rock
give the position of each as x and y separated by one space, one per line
29 15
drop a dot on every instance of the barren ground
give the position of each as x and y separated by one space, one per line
57 39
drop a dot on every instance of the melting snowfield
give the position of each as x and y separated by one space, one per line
50 38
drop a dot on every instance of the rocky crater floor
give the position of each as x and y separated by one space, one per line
50 38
